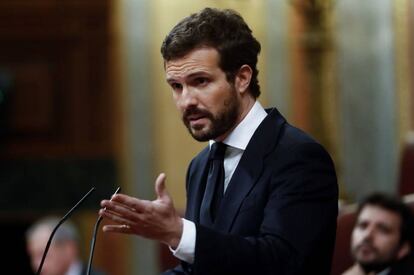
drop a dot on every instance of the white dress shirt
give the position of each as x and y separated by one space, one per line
236 143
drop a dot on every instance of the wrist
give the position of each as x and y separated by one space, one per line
176 234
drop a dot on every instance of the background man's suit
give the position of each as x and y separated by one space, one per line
278 215
403 267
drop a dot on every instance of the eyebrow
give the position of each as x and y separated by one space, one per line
190 76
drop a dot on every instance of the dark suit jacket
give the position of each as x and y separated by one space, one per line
403 267
278 215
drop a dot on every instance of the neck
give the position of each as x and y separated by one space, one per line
246 105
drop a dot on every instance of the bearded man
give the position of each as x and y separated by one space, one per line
381 242
262 196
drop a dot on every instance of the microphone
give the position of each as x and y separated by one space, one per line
57 226
95 234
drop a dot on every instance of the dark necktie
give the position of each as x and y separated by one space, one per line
214 185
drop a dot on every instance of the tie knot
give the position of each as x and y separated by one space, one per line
217 151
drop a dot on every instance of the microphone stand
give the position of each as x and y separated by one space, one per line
57 226
93 241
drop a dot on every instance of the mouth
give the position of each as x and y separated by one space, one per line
196 121
366 249
195 118
192 117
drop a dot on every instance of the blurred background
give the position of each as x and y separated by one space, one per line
83 102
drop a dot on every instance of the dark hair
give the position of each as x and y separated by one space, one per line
224 30
397 206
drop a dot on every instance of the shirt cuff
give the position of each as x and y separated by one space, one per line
186 247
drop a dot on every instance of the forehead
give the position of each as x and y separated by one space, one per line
378 215
200 60
39 237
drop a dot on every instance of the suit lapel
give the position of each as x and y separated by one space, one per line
196 185
249 169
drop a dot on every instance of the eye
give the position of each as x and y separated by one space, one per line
385 229
176 86
201 80
362 225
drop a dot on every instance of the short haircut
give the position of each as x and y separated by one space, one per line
397 206
66 232
224 30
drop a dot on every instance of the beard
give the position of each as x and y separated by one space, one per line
375 267
220 123
378 263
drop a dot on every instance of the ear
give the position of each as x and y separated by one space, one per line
242 79
403 251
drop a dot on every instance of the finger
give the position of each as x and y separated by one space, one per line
120 208
107 214
160 189
125 229
130 202
116 211
120 211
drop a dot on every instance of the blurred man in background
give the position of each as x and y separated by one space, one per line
382 238
63 256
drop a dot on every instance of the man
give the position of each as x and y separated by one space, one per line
274 209
382 237
63 255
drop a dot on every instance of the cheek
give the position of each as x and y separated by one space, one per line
35 261
178 106
35 256
356 237
175 98
387 242
218 100
177 103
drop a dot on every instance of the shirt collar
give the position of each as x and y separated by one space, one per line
384 272
241 135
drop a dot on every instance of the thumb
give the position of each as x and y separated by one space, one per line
160 189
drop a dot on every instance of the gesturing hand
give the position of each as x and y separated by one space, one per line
156 220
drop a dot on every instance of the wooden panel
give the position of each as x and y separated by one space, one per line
32 94
406 181
58 102
57 122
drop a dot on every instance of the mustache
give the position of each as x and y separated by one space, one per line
366 244
196 111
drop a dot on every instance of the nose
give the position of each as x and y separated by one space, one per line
368 233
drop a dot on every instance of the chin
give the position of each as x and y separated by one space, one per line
199 133
207 132
200 136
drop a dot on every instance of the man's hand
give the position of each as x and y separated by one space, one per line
156 220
